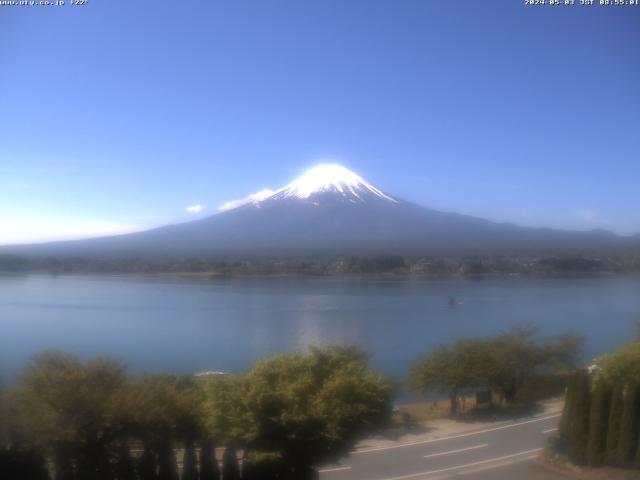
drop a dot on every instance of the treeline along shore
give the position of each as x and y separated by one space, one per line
436 266
70 419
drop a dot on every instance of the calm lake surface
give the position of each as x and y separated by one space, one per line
191 325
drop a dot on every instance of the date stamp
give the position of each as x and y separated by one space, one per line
581 3
43 3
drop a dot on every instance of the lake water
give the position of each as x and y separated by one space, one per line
191 325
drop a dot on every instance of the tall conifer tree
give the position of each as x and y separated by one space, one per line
628 427
209 469
601 396
567 412
579 428
189 464
613 430
230 467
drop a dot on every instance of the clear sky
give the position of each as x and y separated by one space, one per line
120 114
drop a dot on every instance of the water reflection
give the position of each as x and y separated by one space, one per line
193 325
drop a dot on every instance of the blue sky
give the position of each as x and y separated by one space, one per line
118 115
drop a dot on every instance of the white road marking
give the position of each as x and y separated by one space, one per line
424 442
550 430
456 451
466 465
493 466
335 469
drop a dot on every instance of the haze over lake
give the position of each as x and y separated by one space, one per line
191 325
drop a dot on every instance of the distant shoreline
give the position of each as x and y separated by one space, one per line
355 276
468 266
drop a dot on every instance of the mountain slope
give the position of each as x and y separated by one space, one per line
331 210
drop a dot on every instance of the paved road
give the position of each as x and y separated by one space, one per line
504 451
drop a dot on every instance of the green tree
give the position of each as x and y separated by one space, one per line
68 407
628 427
601 395
147 465
189 463
504 363
164 409
567 412
226 415
613 430
18 464
262 466
622 368
230 467
167 467
623 365
517 356
209 469
636 460
308 408
124 467
454 370
578 434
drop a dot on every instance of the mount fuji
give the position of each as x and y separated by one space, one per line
330 210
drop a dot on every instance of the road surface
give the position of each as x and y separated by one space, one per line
501 451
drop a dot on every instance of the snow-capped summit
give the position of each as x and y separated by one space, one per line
330 210
331 178
322 184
